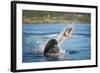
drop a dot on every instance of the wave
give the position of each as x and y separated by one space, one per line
39 33
54 34
83 35
44 35
39 51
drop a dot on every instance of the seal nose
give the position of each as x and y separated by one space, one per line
55 45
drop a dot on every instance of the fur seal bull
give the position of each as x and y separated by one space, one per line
51 47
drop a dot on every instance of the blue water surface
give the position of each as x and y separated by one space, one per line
77 47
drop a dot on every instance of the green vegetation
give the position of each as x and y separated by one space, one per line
31 16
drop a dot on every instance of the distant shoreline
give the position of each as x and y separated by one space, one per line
67 22
38 17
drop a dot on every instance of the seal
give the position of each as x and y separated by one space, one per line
51 47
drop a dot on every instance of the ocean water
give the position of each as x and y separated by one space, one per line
77 47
